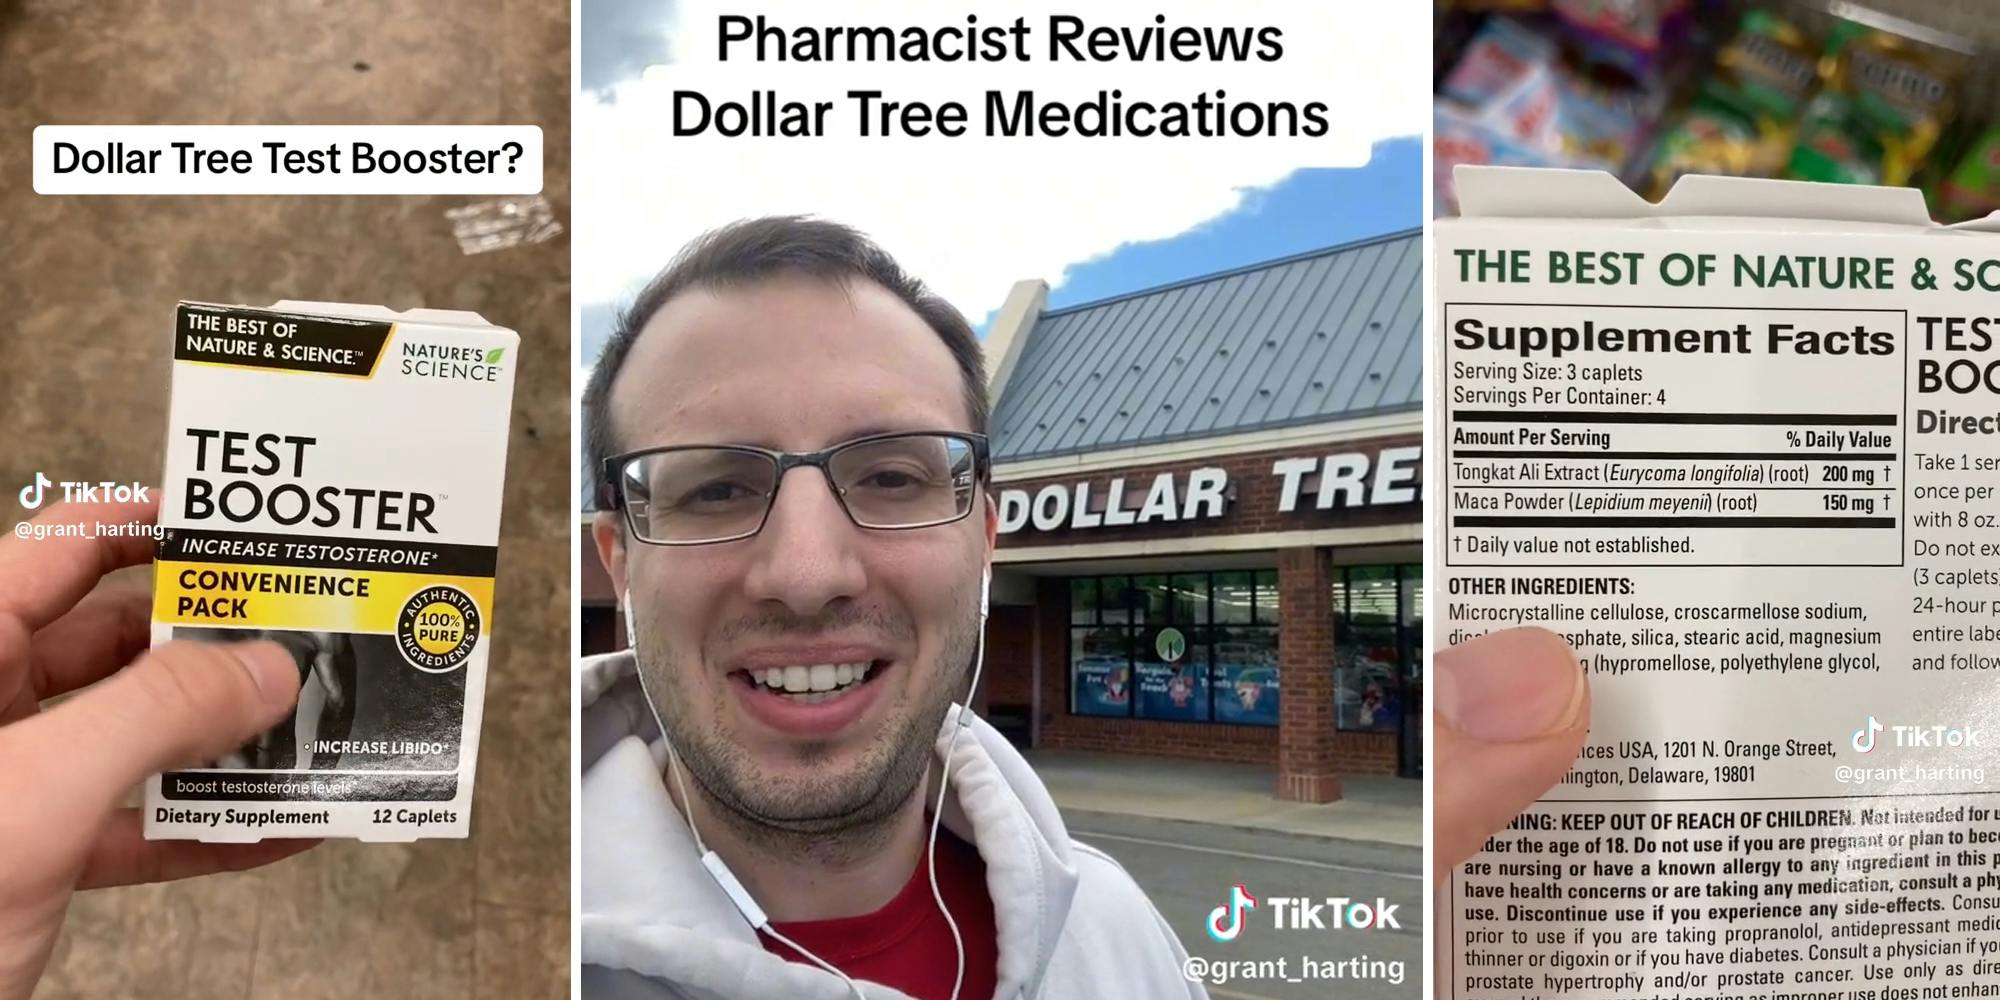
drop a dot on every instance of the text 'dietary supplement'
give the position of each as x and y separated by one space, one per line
333 483
1741 449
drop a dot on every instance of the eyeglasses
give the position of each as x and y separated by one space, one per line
702 494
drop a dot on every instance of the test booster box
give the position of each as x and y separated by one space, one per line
333 483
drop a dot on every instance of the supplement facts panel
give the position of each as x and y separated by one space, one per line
1674 435
1752 479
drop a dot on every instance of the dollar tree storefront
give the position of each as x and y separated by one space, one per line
1242 582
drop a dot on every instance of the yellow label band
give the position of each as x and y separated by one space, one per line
287 597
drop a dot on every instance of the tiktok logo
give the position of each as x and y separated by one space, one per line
1864 738
31 496
1239 900
1928 737
34 493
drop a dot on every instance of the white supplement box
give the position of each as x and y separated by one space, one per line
1742 449
333 483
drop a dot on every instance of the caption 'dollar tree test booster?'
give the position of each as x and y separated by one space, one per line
333 484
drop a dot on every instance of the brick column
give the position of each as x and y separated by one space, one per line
1306 771
1052 614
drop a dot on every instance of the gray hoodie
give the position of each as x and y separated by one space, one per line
653 923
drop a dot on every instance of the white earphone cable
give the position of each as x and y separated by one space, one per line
724 877
945 785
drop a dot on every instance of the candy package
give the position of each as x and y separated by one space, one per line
1889 89
1743 118
1461 138
1508 6
1635 36
1499 57
1972 189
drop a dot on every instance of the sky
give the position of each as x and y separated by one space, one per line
1309 210
972 223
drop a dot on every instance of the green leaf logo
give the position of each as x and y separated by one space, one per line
493 356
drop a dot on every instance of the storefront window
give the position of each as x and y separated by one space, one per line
1083 601
1189 647
1191 598
1155 600
1267 597
1118 599
1413 670
1377 644
1101 678
1172 665
1246 675
1371 595
1368 663
1235 596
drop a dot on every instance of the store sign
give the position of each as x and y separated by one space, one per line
1349 479
1058 505
1345 480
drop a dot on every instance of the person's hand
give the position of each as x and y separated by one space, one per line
64 770
1513 709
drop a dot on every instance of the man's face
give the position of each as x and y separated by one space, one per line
800 365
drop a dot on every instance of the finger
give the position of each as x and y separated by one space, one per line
1513 709
122 855
92 641
179 704
40 578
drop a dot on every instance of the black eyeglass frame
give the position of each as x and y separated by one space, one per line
611 497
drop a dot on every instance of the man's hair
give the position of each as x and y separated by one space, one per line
743 254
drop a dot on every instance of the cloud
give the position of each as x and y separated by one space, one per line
972 215
621 38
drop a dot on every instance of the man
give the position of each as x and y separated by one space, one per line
788 433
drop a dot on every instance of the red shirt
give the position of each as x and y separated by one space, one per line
906 944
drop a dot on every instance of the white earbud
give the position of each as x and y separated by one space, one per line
631 629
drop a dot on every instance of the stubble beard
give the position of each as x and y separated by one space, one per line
828 814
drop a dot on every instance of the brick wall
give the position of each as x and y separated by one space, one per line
1365 753
1010 657
1256 489
1306 769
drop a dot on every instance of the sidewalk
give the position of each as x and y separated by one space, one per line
1383 810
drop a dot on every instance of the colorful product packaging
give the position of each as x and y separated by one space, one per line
333 483
1888 90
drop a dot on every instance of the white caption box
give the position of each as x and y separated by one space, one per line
288 159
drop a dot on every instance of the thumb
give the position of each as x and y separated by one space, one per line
1513 709
181 703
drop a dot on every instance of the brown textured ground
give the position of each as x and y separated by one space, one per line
87 291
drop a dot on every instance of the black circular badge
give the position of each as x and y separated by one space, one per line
437 628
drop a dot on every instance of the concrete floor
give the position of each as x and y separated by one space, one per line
1371 808
89 286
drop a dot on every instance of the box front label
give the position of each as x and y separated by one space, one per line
333 485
